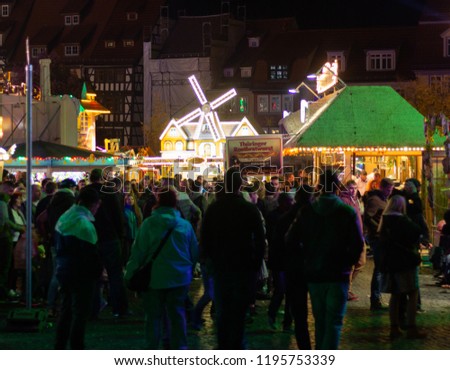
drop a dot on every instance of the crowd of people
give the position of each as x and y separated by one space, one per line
283 238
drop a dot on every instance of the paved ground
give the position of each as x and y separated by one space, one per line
363 329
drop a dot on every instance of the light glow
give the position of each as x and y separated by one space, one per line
206 111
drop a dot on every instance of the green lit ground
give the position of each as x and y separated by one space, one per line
362 330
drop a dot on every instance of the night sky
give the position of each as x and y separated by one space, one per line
317 13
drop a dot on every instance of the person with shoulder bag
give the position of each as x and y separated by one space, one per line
171 269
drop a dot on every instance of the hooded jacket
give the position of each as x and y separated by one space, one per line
77 257
329 234
173 265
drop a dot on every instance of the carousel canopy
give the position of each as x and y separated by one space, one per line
360 116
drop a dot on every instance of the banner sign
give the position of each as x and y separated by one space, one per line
264 152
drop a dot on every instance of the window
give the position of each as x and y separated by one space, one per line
128 43
168 146
246 72
173 132
71 50
253 42
275 103
110 44
228 72
337 56
288 103
84 123
5 10
263 104
446 43
37 52
278 72
207 150
132 16
381 60
243 104
440 83
71 19
179 146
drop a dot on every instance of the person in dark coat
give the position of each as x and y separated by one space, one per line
329 234
399 263
376 201
296 285
110 226
77 268
233 242
277 263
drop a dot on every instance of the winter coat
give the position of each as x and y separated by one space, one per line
232 235
329 233
373 209
399 237
77 257
174 264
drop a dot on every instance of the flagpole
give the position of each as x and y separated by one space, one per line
29 154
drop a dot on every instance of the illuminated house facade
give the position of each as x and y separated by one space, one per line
200 133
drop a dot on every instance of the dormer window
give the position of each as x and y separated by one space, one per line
110 44
380 60
338 56
5 10
228 72
246 72
72 50
132 16
37 52
253 42
71 20
278 72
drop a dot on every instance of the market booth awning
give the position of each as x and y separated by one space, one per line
46 154
358 119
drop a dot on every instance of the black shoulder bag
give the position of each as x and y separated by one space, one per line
140 281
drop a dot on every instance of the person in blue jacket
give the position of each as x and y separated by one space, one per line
172 270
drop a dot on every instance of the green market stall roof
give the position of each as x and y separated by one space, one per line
46 154
46 150
360 117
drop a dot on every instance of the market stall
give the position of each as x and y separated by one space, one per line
61 161
355 128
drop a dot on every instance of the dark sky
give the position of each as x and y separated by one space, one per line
317 13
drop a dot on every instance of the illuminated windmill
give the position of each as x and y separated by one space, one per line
206 112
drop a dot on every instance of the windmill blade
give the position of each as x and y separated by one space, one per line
218 125
197 89
223 98
210 119
190 116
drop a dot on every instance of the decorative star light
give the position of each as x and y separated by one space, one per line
206 111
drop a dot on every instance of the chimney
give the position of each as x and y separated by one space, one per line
45 78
